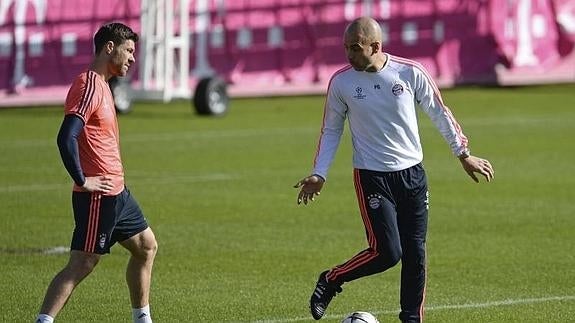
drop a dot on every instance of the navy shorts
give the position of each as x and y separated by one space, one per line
102 220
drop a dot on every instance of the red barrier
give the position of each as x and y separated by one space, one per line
293 46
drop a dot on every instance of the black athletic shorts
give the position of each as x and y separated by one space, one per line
102 220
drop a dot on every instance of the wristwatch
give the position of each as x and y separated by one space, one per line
321 177
464 154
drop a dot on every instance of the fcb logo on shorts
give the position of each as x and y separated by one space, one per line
102 241
397 89
374 201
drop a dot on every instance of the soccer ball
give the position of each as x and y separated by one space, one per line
360 317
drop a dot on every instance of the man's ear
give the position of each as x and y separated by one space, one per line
109 47
375 48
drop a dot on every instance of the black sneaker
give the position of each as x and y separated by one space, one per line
322 295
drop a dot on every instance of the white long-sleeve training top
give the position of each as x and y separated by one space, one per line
382 116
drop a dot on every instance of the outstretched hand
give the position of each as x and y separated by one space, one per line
310 187
473 165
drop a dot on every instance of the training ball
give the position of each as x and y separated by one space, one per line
360 317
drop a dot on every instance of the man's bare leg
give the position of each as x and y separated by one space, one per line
142 247
79 266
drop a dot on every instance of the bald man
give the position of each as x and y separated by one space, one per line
378 93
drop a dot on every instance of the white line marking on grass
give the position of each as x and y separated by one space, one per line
46 251
507 302
56 250
33 188
174 136
132 182
216 134
504 302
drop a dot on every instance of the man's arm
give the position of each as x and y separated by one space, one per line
331 131
68 145
332 128
429 98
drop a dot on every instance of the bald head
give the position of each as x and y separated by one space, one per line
363 45
365 30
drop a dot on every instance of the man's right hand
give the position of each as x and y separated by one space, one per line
101 184
310 187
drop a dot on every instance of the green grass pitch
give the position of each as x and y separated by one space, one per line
235 247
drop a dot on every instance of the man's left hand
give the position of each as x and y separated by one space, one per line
473 164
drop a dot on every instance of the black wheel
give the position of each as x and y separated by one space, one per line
122 92
211 97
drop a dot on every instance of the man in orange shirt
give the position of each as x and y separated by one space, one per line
104 210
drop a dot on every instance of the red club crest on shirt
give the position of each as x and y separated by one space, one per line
397 89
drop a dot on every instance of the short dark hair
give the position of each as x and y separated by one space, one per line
115 32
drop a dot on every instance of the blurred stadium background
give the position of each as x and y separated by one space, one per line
280 47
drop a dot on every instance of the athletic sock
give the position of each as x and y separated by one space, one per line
44 318
142 315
